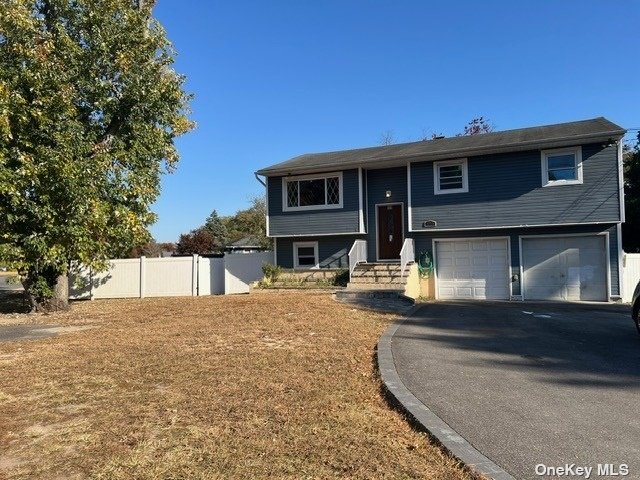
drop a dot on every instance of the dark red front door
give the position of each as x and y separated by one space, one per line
389 232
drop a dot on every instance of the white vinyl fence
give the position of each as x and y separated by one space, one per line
171 277
210 276
630 274
240 269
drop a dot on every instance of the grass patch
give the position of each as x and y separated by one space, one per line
252 386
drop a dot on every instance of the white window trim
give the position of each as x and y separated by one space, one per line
544 156
316 176
296 246
446 163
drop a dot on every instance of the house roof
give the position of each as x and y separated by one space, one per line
245 242
545 136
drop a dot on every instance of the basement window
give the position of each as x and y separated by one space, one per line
305 255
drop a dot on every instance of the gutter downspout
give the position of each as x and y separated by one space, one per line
260 180
266 187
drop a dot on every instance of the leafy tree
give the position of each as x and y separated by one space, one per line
215 224
631 228
199 241
151 249
167 247
89 110
250 222
218 231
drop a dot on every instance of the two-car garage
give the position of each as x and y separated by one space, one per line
567 267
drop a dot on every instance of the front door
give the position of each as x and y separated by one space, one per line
390 234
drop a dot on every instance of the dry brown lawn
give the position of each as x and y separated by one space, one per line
255 386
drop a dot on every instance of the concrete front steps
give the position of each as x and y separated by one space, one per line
373 276
381 280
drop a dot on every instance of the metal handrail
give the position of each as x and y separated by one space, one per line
357 254
407 254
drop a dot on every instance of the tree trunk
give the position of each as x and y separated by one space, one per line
59 300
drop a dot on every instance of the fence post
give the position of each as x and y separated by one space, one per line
142 275
194 275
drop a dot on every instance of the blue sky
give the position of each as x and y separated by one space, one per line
274 79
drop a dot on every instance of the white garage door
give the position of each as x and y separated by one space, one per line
474 269
565 268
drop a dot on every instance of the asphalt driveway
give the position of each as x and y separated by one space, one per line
529 384
12 333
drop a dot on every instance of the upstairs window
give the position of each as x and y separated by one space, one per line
450 176
312 192
561 167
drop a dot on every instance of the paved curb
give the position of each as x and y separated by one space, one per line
454 443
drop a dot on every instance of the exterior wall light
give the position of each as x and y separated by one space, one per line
387 194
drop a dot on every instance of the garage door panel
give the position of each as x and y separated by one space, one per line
573 291
447 274
446 262
480 292
479 246
447 292
461 247
464 292
565 268
496 277
498 260
542 272
445 247
546 292
463 274
472 269
480 261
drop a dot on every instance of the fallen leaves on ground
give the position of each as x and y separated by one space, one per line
277 385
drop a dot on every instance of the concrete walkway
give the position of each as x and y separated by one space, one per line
529 384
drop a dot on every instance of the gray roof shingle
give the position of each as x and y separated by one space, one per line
546 136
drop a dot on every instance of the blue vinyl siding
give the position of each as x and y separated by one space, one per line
315 222
332 251
614 257
506 190
365 203
378 182
423 243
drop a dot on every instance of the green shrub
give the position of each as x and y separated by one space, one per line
271 273
341 278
